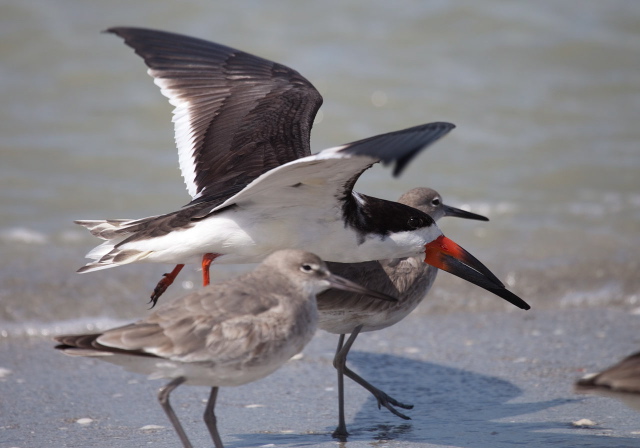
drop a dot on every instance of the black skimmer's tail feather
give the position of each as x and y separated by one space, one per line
108 256
105 229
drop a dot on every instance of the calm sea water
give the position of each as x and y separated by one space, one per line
546 97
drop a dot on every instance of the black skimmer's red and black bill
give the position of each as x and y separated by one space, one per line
227 334
408 279
242 126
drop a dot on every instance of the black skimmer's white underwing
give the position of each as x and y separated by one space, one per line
242 127
227 334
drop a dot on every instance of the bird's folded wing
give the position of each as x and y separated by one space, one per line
205 325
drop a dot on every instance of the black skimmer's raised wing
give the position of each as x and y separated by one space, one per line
236 115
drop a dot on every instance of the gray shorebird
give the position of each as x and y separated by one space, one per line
408 279
242 128
227 334
620 381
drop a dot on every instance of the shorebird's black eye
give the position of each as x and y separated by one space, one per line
436 201
306 268
415 223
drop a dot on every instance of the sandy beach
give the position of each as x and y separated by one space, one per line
476 380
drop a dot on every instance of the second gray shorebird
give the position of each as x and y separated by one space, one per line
408 279
227 334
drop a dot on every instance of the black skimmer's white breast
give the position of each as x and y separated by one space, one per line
408 279
227 334
242 128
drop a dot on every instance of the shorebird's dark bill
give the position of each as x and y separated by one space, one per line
342 283
446 255
459 213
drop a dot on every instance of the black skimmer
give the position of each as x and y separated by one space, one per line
242 126
620 381
408 279
227 334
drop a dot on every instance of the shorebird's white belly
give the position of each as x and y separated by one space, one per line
221 374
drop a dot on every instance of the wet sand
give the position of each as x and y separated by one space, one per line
477 380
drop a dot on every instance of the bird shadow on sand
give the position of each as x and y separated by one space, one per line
457 407
452 407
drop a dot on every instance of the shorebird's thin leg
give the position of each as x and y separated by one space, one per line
383 399
341 431
163 397
210 418
164 283
207 259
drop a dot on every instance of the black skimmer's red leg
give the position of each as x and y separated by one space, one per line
164 283
168 278
207 259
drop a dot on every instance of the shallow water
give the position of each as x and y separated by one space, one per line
546 97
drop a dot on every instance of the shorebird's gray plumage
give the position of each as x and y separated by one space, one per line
408 279
621 381
227 334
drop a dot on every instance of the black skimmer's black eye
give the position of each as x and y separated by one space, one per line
415 223
435 201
